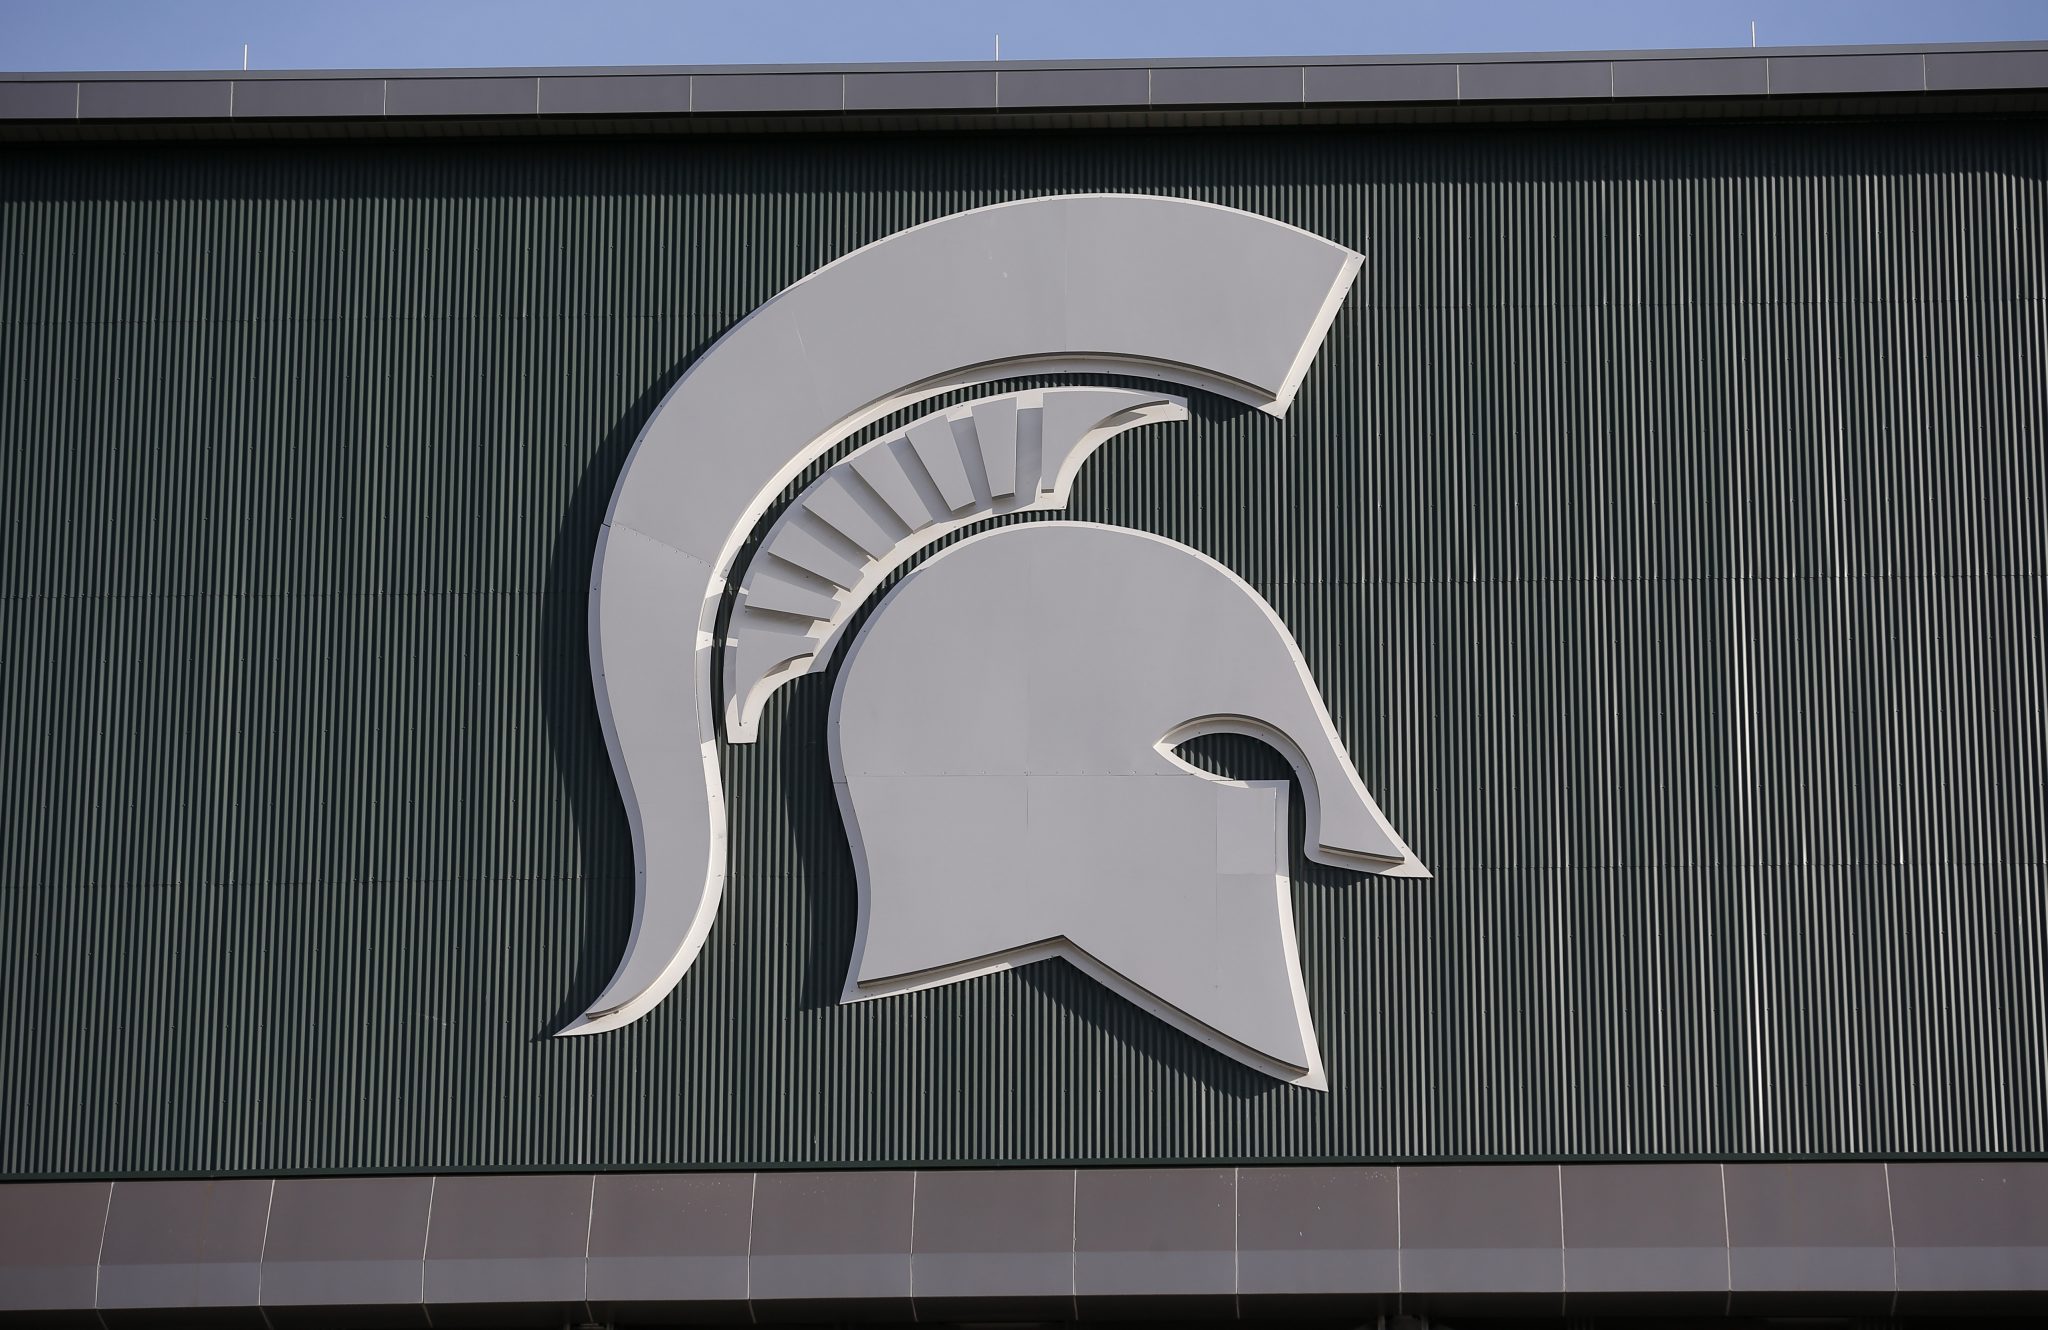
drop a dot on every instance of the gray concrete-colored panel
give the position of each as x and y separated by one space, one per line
675 1247
1132 282
1846 74
651 94
670 1237
1380 83
184 1244
948 89
1808 1228
38 101
1534 81
939 452
50 1244
1956 71
1226 85
1072 87
639 638
1481 1229
460 96
508 1239
980 279
1317 1232
1691 78
1971 1227
850 506
760 390
780 589
805 547
346 1241
823 1236
1154 1232
156 99
1632 1228
887 473
769 93
258 99
994 1234
1010 710
1224 299
995 431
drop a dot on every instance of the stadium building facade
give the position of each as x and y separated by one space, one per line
1331 689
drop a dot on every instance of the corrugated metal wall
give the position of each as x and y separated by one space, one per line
1663 519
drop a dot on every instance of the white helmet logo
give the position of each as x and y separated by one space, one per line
1167 290
1002 738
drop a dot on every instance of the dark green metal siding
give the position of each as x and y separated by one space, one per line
1662 519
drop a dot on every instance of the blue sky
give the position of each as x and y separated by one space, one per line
297 34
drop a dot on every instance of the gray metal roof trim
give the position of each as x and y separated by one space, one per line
949 66
1635 109
980 95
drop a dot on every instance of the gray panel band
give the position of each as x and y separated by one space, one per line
1417 1238
1074 92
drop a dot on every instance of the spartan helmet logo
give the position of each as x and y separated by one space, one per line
1002 735
1003 727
